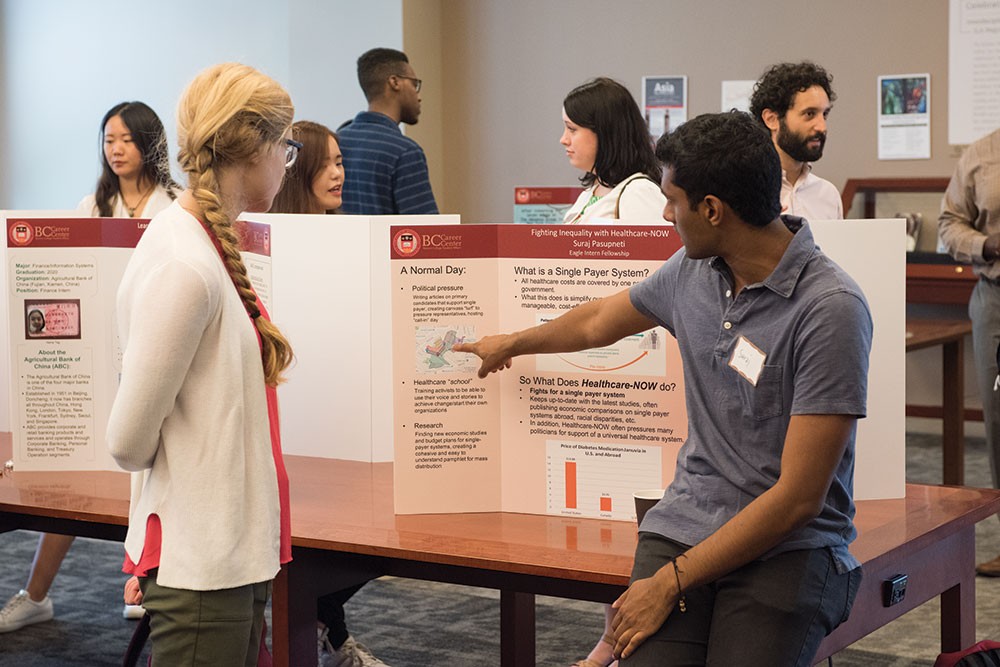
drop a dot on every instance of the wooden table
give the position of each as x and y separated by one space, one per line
930 537
950 335
344 530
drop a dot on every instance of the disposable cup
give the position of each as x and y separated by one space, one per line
644 499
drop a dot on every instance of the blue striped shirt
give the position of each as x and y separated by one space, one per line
385 172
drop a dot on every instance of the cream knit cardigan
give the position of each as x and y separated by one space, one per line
191 414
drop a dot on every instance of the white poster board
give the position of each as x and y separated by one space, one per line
4 339
973 70
62 275
61 281
330 290
565 434
873 252
571 434
330 293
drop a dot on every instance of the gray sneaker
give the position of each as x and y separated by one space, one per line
350 654
21 610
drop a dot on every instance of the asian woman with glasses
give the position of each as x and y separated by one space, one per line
315 184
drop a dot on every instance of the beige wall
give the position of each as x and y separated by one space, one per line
505 67
422 28
498 70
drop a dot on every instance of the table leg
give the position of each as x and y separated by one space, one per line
299 584
279 619
953 417
293 621
958 603
517 629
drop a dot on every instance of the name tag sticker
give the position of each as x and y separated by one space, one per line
747 360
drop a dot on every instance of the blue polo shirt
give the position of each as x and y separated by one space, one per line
385 173
811 323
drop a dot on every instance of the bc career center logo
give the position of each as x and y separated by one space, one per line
21 233
406 242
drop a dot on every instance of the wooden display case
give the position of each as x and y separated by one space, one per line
869 188
931 277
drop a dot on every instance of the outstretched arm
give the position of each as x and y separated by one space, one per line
593 324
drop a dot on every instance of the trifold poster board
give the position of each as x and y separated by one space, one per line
319 276
331 293
572 434
577 434
873 252
62 275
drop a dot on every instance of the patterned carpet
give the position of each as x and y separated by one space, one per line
412 623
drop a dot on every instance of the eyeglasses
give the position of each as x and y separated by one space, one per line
291 152
416 82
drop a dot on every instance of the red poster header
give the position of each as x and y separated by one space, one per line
74 232
546 195
255 237
595 242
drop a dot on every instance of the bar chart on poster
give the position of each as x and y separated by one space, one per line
597 480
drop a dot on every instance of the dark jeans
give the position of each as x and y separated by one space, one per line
771 613
330 612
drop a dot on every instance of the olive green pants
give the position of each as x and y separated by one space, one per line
212 628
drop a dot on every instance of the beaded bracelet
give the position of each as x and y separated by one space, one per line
681 600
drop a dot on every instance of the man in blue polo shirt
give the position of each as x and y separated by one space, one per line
745 561
386 173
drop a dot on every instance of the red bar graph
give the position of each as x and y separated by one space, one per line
571 485
597 486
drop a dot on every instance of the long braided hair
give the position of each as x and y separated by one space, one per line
227 116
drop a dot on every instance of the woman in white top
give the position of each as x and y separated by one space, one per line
134 182
196 410
606 138
135 172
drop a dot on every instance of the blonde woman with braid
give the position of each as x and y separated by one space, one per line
196 411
